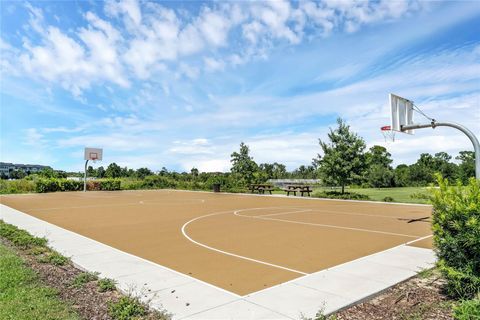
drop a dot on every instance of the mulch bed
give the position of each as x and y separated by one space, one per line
418 298
86 300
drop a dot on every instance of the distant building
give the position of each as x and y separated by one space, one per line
7 168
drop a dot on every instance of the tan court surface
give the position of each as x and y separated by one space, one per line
240 243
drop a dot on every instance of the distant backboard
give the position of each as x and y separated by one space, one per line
93 154
401 113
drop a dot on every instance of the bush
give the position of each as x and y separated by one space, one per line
126 308
339 195
20 237
106 284
456 230
83 278
47 185
16 186
467 310
54 258
70 185
110 185
388 199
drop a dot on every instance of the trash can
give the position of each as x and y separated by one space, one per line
216 187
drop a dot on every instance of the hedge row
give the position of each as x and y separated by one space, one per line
456 230
53 185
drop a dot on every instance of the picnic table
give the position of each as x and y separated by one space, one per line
260 188
302 189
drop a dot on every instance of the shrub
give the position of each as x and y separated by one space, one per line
467 310
106 284
47 185
388 199
93 185
339 195
126 308
83 278
70 185
19 237
16 186
110 185
456 230
54 258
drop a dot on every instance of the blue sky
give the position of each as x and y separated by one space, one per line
181 84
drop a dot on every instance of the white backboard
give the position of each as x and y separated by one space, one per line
401 113
93 154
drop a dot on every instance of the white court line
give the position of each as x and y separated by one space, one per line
229 253
323 225
419 239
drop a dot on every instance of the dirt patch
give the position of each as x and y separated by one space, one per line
418 298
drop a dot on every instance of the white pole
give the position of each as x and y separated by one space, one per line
85 178
470 135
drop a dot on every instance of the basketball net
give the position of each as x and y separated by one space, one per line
388 134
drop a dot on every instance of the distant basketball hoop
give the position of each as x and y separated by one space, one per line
91 154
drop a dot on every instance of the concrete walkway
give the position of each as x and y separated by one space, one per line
188 298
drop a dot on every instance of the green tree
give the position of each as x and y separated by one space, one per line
113 171
379 172
243 165
141 173
279 171
466 168
100 172
422 171
91 172
443 165
401 176
343 159
194 172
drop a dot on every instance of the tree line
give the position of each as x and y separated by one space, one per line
343 162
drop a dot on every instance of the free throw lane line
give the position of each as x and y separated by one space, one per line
264 217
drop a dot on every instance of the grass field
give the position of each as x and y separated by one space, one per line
398 194
403 195
22 296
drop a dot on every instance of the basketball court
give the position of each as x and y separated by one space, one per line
240 243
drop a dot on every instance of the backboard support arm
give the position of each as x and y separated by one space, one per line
470 135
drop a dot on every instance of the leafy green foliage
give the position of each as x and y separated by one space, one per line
126 308
20 237
17 186
54 258
106 284
456 229
113 171
388 199
467 310
243 165
83 278
343 159
466 168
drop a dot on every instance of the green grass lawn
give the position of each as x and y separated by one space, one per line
378 194
23 296
398 194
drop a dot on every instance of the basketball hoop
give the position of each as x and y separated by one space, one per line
388 133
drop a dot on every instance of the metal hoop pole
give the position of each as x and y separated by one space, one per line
85 178
468 133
